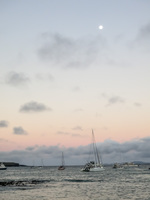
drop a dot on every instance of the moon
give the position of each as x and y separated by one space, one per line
101 27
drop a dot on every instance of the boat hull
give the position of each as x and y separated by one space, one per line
61 168
3 168
85 170
96 169
92 169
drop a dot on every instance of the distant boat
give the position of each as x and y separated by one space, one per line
96 165
117 166
129 164
2 167
42 163
62 166
125 165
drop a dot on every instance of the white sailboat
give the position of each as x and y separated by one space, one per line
96 165
62 166
2 166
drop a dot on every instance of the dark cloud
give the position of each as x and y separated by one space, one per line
30 148
34 107
65 52
111 151
137 149
19 131
17 79
3 124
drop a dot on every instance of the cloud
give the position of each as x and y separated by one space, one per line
62 133
3 140
3 124
111 151
19 131
71 134
76 89
34 107
137 104
142 39
113 99
137 149
76 135
43 77
144 33
17 79
79 128
60 51
78 110
30 148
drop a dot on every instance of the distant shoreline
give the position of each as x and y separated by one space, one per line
14 164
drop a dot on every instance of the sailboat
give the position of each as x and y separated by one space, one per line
62 166
96 165
2 166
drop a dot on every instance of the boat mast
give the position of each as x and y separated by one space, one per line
63 161
96 154
94 150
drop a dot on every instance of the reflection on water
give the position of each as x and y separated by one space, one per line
45 183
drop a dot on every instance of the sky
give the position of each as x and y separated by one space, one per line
61 76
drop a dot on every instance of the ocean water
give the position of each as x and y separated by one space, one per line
48 183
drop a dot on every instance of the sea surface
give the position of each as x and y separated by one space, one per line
48 183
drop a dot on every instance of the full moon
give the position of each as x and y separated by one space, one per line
100 27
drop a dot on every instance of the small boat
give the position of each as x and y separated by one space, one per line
42 164
117 166
96 165
2 167
129 164
62 166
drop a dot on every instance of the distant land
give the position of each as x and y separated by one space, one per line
14 164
